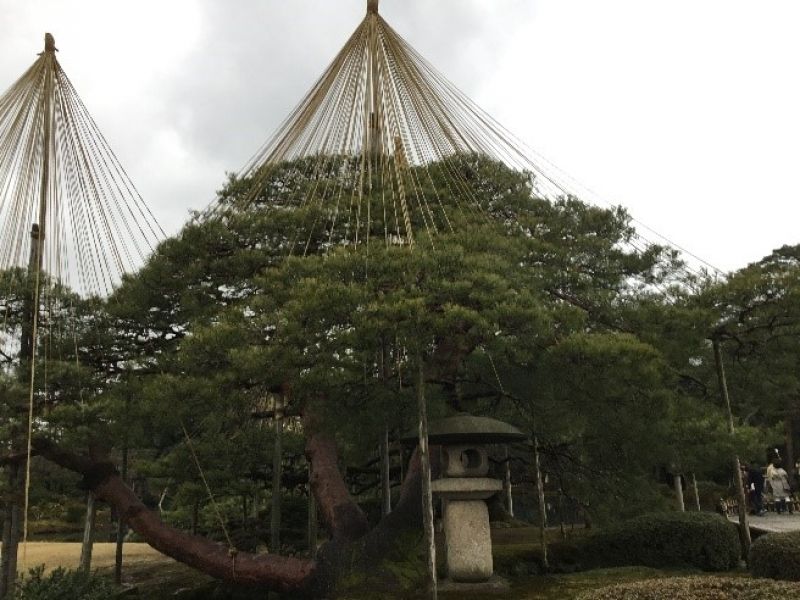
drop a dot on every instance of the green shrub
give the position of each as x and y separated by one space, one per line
777 556
696 588
61 584
700 540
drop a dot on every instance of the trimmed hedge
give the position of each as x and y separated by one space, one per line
697 588
689 539
777 556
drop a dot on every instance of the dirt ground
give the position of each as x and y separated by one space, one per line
67 555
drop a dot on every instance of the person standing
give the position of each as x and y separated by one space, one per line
781 491
756 488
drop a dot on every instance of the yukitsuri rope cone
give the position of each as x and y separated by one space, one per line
69 215
385 136
58 171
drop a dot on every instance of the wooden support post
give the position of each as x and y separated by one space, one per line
87 545
744 527
696 492
676 480
542 507
789 459
561 513
386 483
507 486
277 475
122 526
427 495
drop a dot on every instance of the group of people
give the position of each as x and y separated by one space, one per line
775 482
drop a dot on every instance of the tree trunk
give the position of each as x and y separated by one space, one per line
277 475
352 546
676 482
88 534
427 496
542 507
696 493
313 529
270 570
11 533
340 514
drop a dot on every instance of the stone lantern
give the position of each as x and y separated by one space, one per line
464 487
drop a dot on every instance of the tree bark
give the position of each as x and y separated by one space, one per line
313 530
342 516
11 532
88 534
352 545
276 572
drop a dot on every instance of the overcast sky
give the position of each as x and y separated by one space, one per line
687 112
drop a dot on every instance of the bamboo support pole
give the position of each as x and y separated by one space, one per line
744 527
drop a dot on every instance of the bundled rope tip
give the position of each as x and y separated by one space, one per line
372 6
50 43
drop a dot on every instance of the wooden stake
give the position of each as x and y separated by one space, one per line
696 492
507 486
88 534
542 508
427 495
676 480
744 528
386 483
277 475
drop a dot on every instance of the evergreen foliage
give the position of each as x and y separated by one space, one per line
698 540
777 556
62 583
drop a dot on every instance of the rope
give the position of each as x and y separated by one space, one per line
496 374
232 551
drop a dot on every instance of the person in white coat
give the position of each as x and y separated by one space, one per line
781 490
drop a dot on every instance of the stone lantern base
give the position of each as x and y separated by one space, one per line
468 541
495 585
465 524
